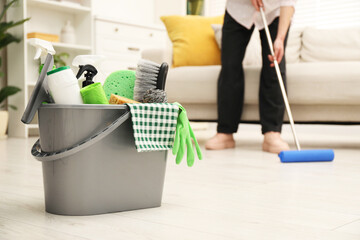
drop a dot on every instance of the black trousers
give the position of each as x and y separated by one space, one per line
235 39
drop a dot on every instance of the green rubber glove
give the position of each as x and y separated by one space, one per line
183 139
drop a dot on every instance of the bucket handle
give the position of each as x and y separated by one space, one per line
52 156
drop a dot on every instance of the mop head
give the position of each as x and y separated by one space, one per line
146 78
322 155
155 96
120 83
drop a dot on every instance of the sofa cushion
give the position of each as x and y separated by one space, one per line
217 33
193 40
192 84
253 51
330 45
293 46
324 83
199 84
308 83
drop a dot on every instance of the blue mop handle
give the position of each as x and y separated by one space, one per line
281 83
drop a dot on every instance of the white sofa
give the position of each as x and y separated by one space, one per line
323 78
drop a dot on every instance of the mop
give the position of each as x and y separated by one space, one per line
320 155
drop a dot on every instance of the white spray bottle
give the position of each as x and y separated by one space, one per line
94 60
42 49
61 81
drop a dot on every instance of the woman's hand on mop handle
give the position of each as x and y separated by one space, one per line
278 51
286 13
257 4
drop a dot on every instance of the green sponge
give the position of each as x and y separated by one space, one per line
120 83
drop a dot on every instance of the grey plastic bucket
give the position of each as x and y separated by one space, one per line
90 163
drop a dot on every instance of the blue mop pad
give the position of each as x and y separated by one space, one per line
318 155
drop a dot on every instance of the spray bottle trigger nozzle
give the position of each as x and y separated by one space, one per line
89 75
38 53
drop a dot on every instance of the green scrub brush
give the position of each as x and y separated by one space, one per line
120 83
150 76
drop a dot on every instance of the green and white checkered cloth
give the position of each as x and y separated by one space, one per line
154 125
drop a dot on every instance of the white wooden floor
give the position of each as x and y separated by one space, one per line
232 194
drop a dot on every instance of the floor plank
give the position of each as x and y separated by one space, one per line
352 227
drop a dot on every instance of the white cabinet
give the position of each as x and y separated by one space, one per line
46 17
121 43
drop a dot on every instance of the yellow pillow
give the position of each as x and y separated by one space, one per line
193 40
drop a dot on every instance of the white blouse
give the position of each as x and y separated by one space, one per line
245 13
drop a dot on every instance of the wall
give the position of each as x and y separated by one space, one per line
215 7
136 11
327 13
315 13
168 7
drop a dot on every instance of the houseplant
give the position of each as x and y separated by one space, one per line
5 39
4 115
59 59
195 7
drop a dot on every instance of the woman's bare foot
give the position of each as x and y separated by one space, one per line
273 143
220 141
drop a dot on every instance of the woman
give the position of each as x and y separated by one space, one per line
240 18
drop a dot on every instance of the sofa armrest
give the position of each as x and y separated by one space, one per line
158 55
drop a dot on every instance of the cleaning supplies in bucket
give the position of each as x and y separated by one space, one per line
42 49
150 76
41 93
90 73
115 99
91 93
120 83
154 125
162 126
95 60
63 86
44 52
183 139
155 96
85 149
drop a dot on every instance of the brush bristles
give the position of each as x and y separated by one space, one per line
146 78
148 64
155 96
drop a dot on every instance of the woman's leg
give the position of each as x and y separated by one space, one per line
235 39
271 103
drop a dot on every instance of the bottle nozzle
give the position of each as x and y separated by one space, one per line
89 75
38 53
42 48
